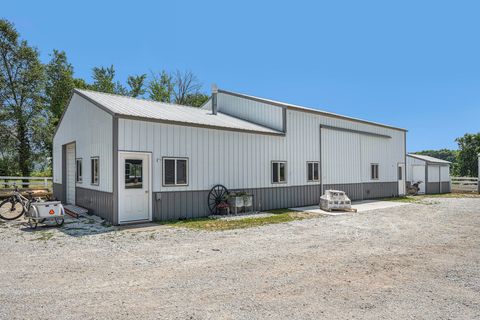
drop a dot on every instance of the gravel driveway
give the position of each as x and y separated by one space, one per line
414 261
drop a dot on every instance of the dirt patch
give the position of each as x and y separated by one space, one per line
413 261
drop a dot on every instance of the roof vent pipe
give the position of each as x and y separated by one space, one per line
214 98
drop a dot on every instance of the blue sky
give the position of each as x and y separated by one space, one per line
412 64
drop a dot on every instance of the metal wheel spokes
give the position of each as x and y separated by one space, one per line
216 196
11 210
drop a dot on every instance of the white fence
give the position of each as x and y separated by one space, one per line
464 184
21 182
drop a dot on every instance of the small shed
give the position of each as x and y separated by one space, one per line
434 173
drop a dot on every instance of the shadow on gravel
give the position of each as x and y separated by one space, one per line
83 226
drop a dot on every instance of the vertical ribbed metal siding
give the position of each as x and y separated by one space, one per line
58 192
97 202
193 204
242 160
368 190
91 129
257 112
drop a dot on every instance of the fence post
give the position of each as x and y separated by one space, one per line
45 183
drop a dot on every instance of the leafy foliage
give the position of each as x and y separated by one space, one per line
21 94
160 87
33 97
469 149
137 85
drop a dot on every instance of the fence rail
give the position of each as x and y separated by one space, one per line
29 182
464 184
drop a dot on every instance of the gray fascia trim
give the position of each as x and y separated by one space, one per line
75 91
356 131
115 168
99 105
189 124
63 114
307 110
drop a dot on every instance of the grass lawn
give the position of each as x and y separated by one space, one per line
212 224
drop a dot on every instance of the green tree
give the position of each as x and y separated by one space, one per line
21 87
469 148
195 99
160 88
137 85
103 81
58 88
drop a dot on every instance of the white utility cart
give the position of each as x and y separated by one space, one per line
45 211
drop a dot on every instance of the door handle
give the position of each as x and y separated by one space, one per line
146 191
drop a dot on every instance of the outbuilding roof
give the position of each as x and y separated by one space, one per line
428 158
128 107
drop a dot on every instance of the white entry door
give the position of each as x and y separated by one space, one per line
401 179
134 187
70 174
418 174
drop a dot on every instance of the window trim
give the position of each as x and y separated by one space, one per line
76 170
271 171
175 172
91 171
313 173
378 171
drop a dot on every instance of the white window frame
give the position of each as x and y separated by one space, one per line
92 171
313 173
373 176
175 172
78 179
278 173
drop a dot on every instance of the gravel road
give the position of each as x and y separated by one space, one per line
417 261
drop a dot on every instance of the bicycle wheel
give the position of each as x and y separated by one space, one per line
59 221
11 209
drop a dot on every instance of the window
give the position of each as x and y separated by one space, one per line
175 171
374 171
313 171
94 169
279 172
400 173
78 170
133 174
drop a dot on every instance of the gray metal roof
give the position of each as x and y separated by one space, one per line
170 113
428 158
306 109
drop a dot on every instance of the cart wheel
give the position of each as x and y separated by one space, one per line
59 221
32 223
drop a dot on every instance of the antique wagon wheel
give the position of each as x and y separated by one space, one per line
216 196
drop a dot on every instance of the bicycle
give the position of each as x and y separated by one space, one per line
17 205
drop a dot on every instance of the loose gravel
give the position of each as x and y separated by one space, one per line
417 261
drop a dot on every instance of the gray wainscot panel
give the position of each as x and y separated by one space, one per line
58 192
175 205
97 202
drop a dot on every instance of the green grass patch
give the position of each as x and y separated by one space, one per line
212 224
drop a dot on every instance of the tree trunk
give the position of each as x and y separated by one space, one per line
24 153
